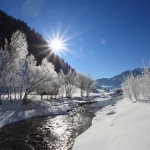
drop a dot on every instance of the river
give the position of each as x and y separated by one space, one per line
49 133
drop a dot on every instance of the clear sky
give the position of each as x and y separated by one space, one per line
105 37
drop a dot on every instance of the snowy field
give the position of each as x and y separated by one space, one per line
124 126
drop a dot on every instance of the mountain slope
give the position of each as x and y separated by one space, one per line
116 81
36 44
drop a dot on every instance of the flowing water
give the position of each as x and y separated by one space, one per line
48 133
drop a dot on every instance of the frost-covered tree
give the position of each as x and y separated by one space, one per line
49 84
29 75
61 80
137 87
10 58
82 83
68 82
50 88
4 70
19 51
89 84
18 45
36 76
19 73
129 87
144 85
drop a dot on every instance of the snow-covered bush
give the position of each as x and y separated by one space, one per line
137 87
130 87
145 85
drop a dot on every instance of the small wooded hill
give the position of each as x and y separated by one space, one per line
36 43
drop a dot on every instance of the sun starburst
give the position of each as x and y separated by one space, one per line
57 45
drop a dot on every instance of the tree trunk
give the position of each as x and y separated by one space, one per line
0 99
10 98
25 100
15 95
81 93
20 97
41 97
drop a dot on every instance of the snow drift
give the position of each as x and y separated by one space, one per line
124 126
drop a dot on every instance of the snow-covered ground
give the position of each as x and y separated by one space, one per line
124 126
12 112
15 111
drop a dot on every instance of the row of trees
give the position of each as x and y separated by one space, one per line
137 88
20 75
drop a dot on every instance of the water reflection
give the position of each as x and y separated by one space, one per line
51 133
47 133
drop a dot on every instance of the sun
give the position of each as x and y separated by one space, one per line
57 45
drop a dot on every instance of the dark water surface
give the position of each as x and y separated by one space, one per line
48 133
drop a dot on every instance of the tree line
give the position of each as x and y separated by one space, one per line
20 75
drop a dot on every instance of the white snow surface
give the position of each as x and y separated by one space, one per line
15 111
124 126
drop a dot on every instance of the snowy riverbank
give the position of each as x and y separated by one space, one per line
15 111
124 126
12 112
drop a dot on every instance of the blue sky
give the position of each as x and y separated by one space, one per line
105 37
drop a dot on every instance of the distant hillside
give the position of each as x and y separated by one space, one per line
36 44
115 82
